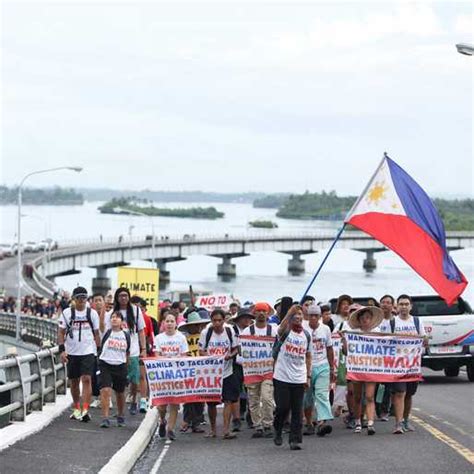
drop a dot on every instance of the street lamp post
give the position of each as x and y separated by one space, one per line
18 302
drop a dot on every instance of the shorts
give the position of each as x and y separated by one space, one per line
408 387
114 376
79 365
134 370
230 390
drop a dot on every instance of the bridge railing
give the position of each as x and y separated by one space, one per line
34 379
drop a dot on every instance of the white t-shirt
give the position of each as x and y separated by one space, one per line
114 351
171 346
341 326
336 319
139 326
219 345
384 326
321 339
261 331
82 341
407 326
290 365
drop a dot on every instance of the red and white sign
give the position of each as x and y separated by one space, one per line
257 359
211 302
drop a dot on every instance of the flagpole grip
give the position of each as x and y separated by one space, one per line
341 230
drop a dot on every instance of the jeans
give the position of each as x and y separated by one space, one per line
260 398
289 397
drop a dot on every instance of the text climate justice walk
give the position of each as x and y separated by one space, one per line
383 358
257 359
184 380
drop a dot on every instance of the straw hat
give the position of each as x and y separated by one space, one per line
376 314
193 319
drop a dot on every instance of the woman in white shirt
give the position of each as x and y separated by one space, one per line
172 344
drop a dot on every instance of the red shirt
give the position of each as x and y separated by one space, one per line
149 334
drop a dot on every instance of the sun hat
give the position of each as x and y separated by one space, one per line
341 299
277 302
193 319
243 313
376 313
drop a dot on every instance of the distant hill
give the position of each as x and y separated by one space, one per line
169 196
42 197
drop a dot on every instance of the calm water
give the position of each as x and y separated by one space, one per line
259 276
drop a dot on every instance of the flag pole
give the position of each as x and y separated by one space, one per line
341 230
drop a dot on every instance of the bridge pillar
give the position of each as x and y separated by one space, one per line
370 264
101 283
226 269
164 273
296 265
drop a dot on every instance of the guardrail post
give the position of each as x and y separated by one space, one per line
60 375
47 363
37 385
13 374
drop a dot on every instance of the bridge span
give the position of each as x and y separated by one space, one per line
103 255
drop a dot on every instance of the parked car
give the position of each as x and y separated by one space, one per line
48 244
9 250
450 330
31 247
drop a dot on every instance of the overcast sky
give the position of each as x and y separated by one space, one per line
241 96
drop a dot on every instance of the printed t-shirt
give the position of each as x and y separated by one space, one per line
341 326
171 346
384 326
82 341
219 345
407 326
139 326
290 365
321 339
114 351
261 331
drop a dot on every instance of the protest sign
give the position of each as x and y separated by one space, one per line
256 357
336 347
383 358
193 340
143 282
184 380
211 302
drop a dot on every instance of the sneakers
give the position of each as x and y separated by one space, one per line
105 423
162 429
143 405
121 421
407 426
76 414
358 429
95 403
278 440
133 409
257 434
350 422
398 429
171 435
370 430
324 430
309 430
86 417
295 446
383 417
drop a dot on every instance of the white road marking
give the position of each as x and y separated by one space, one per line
162 455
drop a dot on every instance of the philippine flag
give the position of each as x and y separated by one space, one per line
395 210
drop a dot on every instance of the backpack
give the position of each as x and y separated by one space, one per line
107 335
228 330
252 330
416 320
277 345
73 318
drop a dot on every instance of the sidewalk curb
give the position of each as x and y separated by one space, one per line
126 457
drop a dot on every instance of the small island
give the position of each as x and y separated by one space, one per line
140 207
263 224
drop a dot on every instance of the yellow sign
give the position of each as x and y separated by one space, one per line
143 282
193 340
